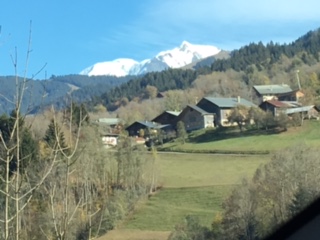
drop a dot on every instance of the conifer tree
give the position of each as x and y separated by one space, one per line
54 137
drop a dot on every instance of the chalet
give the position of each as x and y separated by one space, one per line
221 107
289 108
167 117
269 92
195 118
109 125
274 106
135 127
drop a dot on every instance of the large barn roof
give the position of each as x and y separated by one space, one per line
272 89
230 102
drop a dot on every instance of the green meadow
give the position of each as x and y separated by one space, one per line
230 140
193 184
198 183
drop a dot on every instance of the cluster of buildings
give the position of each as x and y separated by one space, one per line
210 112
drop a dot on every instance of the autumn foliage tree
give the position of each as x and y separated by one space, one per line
239 115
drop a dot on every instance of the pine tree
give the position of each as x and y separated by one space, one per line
77 114
54 137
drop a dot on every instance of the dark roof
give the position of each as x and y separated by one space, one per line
272 89
148 124
172 114
160 95
200 110
175 113
109 134
230 102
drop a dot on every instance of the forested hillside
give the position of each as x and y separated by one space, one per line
163 81
262 56
41 93
254 64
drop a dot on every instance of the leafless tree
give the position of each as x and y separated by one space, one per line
17 184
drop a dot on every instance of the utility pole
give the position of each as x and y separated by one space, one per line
298 79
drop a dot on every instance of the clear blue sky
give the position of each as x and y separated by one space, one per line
71 35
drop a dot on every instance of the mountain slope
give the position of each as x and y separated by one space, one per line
206 62
178 57
39 94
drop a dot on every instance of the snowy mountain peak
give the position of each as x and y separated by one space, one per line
118 67
184 45
177 57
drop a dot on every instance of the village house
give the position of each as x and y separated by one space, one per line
270 92
274 106
289 108
134 128
222 107
195 118
167 117
110 125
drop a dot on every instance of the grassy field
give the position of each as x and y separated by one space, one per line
132 234
179 170
171 205
194 184
251 141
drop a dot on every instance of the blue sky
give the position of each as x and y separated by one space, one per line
71 35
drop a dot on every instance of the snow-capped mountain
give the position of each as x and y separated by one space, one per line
174 58
119 67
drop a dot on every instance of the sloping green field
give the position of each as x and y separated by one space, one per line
251 141
171 205
197 170
193 184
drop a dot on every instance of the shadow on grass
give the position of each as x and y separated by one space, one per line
223 133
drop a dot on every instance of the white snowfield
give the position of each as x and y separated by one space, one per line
174 58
